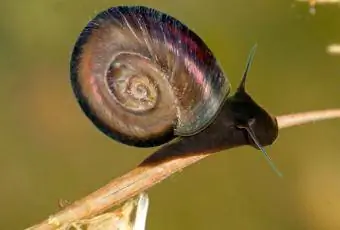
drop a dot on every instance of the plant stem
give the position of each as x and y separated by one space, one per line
147 175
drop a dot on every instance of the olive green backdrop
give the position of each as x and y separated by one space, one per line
50 150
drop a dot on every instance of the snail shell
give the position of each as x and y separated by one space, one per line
143 77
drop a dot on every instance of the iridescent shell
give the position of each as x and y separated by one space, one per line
143 77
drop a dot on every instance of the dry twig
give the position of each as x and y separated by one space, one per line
147 175
131 216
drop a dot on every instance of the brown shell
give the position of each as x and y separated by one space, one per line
143 77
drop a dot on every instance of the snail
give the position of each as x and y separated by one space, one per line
144 78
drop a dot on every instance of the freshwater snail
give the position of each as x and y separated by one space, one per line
144 78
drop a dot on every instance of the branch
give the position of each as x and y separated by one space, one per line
152 171
296 119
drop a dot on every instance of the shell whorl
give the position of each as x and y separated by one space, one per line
143 77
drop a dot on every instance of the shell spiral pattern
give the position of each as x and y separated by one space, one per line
143 77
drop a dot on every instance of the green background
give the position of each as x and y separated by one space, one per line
50 150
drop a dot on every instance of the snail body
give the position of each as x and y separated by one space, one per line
144 78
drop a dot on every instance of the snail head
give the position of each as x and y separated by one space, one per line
259 127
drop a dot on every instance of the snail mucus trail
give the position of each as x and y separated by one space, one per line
144 78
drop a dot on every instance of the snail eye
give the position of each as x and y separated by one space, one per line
143 77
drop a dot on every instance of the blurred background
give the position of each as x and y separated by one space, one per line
51 151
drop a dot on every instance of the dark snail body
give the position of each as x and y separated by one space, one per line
144 78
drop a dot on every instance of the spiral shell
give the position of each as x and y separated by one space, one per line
143 77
